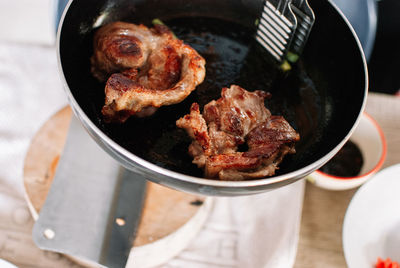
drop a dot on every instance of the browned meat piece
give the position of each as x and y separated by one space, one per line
149 68
237 117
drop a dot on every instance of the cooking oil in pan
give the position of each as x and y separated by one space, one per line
232 57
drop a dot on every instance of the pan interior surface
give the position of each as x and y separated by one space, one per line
321 96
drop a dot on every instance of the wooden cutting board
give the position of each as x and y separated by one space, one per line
164 212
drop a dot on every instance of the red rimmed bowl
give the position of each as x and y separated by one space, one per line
369 138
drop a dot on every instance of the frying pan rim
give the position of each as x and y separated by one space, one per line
294 175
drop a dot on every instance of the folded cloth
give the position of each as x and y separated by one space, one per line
254 231
28 21
30 90
251 231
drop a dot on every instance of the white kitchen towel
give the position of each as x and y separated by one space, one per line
30 91
254 231
250 231
28 21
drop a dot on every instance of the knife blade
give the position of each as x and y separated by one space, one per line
124 220
94 205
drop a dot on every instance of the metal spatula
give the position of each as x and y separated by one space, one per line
284 27
305 20
276 27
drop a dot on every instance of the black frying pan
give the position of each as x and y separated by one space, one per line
322 96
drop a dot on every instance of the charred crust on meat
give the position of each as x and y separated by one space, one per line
120 82
125 47
162 29
143 68
238 117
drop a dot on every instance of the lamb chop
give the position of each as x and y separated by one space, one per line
146 68
238 117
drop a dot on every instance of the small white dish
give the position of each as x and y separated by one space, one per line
371 226
6 264
369 138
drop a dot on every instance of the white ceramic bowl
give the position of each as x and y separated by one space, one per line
6 264
372 221
369 138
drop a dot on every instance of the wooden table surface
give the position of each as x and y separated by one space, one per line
320 243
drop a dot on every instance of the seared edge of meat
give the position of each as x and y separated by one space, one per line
119 46
238 117
149 68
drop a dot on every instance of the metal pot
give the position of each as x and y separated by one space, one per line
323 99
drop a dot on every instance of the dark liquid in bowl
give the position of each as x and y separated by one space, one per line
346 163
232 57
